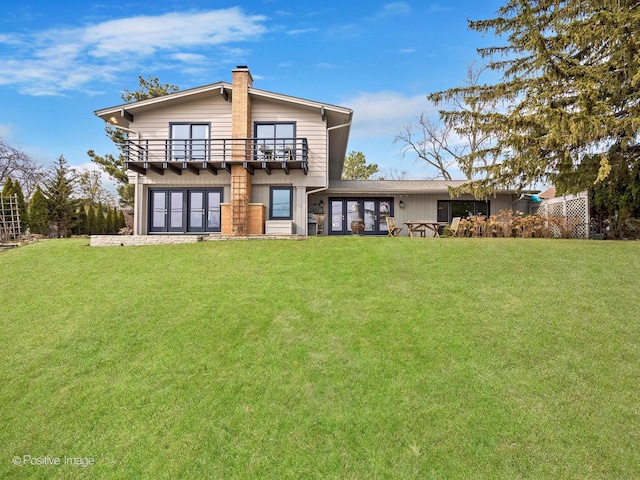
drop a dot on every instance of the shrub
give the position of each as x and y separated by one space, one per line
509 224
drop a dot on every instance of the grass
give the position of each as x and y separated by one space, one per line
328 358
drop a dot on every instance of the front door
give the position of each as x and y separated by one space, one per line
373 211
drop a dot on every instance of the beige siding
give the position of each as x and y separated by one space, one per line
260 194
416 207
425 207
309 125
214 110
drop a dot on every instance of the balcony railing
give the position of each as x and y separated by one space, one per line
160 155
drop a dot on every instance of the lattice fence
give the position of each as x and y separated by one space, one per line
9 218
574 209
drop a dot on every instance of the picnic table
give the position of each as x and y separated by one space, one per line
420 227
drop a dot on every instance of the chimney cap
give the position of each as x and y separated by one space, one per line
244 67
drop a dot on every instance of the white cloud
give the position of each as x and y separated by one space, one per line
345 32
145 35
189 57
325 65
385 113
395 8
436 8
6 132
56 61
301 31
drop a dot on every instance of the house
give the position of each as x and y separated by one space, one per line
230 159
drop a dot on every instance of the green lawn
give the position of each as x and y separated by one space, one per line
344 358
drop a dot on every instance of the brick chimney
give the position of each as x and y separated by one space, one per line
240 129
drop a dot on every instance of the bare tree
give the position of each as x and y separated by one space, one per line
429 143
393 174
17 165
90 189
455 140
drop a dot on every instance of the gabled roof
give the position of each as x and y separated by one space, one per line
170 99
334 114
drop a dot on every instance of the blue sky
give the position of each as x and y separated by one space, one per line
62 60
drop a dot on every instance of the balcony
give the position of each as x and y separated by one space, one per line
195 156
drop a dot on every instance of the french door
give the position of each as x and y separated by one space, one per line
166 207
372 211
185 210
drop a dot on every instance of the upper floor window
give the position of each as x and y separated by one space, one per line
275 140
279 130
189 141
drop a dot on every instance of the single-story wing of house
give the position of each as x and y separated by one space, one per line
230 159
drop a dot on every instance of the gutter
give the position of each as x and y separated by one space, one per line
321 189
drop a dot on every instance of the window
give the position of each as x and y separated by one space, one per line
275 140
448 209
189 141
280 203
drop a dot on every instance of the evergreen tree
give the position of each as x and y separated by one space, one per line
58 189
91 220
571 72
121 221
115 166
7 190
109 225
100 220
356 168
39 213
22 206
81 221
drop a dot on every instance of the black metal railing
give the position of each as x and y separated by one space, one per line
225 150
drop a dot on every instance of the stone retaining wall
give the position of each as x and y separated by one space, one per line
135 240
131 240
